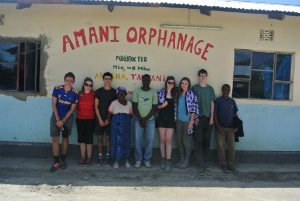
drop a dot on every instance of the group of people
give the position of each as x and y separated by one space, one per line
189 110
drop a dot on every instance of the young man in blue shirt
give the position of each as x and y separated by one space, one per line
64 100
225 110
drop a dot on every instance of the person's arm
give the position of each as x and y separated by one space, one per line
138 115
235 129
163 105
73 106
59 123
212 109
151 113
109 116
190 126
98 112
218 127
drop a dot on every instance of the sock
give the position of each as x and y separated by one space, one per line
168 160
63 157
56 159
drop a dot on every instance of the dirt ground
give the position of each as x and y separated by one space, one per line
29 179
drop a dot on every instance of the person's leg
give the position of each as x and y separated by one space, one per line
198 143
230 146
162 137
54 133
149 132
89 137
55 145
107 144
100 143
187 145
139 131
169 135
81 127
221 148
179 141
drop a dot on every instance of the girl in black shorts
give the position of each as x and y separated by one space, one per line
167 107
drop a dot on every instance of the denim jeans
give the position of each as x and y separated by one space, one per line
149 134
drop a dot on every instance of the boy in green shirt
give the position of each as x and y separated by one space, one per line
144 102
203 124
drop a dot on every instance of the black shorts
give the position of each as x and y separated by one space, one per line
99 130
85 128
162 123
55 131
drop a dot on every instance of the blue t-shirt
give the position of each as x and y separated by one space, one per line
64 99
182 116
225 108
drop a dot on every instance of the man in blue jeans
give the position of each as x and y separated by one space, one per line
144 103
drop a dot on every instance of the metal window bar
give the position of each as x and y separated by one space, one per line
18 66
25 65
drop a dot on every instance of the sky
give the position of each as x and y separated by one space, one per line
285 2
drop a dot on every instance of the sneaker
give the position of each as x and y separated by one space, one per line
163 164
100 160
116 165
88 162
63 164
179 163
168 166
54 167
148 164
137 164
233 170
225 169
201 172
81 162
206 169
107 160
127 164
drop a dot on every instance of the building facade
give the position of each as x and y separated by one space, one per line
256 52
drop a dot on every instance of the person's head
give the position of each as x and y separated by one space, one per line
69 79
146 80
202 74
225 90
107 78
170 84
185 84
121 93
87 85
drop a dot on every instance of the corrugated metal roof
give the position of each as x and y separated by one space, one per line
209 3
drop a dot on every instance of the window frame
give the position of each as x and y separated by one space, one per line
37 66
274 81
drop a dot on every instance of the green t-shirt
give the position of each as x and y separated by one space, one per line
205 95
145 100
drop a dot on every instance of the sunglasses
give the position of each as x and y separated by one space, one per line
88 85
171 83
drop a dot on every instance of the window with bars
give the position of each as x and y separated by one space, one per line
261 75
19 66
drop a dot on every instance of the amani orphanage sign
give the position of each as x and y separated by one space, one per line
141 36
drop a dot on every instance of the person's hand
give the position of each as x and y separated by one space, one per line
59 124
235 130
211 121
197 121
106 122
102 124
143 122
190 126
220 130
164 104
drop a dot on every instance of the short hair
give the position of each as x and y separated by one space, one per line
69 74
108 74
225 85
146 75
202 71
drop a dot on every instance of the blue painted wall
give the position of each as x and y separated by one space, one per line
267 127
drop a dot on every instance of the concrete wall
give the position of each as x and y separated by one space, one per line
269 125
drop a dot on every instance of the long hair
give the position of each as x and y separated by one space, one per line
173 91
179 87
82 89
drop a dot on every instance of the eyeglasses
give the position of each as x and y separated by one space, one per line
88 85
171 83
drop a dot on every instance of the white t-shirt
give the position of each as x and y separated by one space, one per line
116 107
